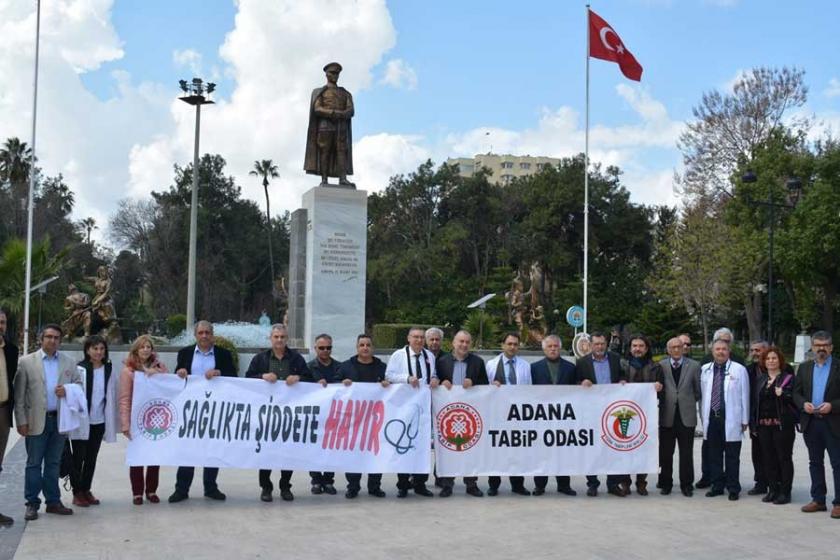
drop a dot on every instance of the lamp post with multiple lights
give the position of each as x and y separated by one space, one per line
195 93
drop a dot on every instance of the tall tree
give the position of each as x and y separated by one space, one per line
88 225
15 164
267 170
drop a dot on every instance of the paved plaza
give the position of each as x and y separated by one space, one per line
506 526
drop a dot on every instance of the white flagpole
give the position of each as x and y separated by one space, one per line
31 185
586 191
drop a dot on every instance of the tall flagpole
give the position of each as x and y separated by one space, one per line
586 191
30 203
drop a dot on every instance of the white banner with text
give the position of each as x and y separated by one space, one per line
546 430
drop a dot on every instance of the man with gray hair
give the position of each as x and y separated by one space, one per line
207 359
434 339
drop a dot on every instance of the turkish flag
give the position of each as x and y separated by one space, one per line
604 43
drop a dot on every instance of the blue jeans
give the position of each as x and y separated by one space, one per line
819 439
43 457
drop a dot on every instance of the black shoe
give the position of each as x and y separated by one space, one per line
521 490
265 495
286 494
687 492
446 492
317 489
592 491
757 490
6 521
31 513
492 491
350 494
216 494
617 491
177 497
330 489
402 493
567 490
665 491
782 498
423 491
438 482
475 491
712 493
539 491
377 492
769 497
733 496
703 483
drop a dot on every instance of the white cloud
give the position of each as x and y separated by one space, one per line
188 58
378 157
833 89
398 74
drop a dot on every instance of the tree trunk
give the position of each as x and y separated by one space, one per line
270 249
830 294
753 312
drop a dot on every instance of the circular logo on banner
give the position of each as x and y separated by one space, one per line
459 426
156 419
623 426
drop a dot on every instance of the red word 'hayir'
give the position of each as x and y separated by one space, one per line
353 422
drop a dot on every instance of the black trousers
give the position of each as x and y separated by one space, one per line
449 481
669 438
284 483
562 482
819 438
407 481
704 461
184 478
777 456
321 478
515 481
757 457
724 457
85 452
354 481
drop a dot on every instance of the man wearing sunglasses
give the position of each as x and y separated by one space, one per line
324 371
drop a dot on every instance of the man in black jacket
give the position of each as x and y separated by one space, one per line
207 359
8 368
602 367
461 367
285 364
364 367
324 371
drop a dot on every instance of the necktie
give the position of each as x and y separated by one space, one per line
419 373
717 388
511 372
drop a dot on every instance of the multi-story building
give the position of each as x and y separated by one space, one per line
505 167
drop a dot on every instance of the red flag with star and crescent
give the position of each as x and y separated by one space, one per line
604 43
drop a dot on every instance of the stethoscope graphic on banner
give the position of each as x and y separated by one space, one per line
401 434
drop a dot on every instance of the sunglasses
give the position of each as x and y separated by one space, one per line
324 347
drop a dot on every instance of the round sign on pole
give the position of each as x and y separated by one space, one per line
574 316
581 345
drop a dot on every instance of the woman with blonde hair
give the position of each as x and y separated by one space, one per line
141 357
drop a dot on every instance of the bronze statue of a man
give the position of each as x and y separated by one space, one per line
329 140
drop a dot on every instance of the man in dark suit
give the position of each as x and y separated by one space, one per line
461 367
8 368
553 370
324 371
678 417
602 367
816 391
207 359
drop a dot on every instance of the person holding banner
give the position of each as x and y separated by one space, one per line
725 410
324 371
678 416
641 368
364 367
602 367
507 369
285 364
553 370
141 357
461 367
8 368
202 358
415 365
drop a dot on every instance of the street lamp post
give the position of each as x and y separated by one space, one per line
794 188
196 93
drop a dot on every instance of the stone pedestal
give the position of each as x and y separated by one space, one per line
297 278
336 257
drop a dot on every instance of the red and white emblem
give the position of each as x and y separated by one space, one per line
459 426
623 426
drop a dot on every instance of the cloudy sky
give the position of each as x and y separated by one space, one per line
430 79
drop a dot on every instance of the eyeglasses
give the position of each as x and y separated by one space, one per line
324 347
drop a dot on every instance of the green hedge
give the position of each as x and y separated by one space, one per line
393 335
227 344
176 324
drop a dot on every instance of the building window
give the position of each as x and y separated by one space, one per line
524 165
506 179
540 166
507 165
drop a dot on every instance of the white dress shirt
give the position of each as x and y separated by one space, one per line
202 362
402 365
522 367
50 379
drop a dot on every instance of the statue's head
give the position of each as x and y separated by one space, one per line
72 288
102 271
332 70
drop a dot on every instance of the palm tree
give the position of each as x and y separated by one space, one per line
88 224
266 169
15 160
